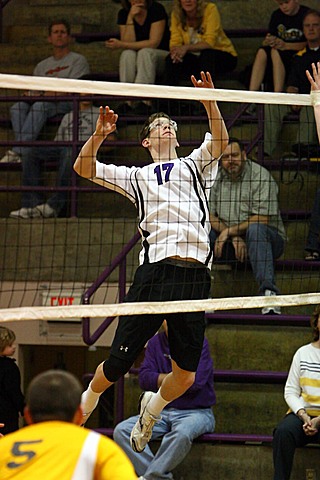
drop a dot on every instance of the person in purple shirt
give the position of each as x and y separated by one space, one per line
182 420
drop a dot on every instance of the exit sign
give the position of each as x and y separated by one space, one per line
61 298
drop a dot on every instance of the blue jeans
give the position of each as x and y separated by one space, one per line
264 245
32 162
28 119
177 428
313 238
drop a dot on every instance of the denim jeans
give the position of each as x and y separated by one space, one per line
28 119
288 436
273 121
264 245
177 428
313 238
32 163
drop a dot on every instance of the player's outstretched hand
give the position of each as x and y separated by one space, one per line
106 122
314 79
204 82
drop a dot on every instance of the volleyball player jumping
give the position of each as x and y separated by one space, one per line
171 198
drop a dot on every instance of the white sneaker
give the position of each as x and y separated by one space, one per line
142 431
24 213
11 156
44 210
270 310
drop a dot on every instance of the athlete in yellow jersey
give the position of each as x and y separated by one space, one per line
53 446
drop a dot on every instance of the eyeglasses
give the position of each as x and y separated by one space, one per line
162 123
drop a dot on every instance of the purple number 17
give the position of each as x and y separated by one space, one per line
163 167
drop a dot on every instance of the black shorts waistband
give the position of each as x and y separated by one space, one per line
182 263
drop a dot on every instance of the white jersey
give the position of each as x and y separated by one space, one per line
172 202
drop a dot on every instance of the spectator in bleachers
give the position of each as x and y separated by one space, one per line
27 117
144 38
301 425
285 37
33 159
297 83
11 396
53 445
181 422
197 42
313 238
245 217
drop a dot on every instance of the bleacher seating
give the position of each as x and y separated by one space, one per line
242 381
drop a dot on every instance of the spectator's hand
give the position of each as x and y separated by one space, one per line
314 79
220 241
310 426
177 53
279 44
240 248
314 426
1 426
269 41
106 122
113 43
137 8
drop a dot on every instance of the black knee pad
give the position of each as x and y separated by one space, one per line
115 367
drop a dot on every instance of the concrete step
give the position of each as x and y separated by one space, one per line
23 34
115 231
99 58
41 14
242 462
61 3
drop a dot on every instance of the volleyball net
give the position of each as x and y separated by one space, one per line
87 250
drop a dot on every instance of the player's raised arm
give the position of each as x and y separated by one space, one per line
85 164
314 80
218 129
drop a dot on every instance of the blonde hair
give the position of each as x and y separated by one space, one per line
7 337
181 16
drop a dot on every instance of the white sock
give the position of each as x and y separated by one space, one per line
89 399
157 404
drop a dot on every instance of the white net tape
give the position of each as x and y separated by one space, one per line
113 310
24 82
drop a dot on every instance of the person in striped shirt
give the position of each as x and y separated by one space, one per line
301 425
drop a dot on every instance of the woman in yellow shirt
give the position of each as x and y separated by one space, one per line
197 42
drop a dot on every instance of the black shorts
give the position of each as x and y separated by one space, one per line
164 282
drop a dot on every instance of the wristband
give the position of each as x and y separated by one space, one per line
315 97
302 411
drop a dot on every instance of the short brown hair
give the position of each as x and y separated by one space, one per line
54 395
314 323
7 337
59 21
145 129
